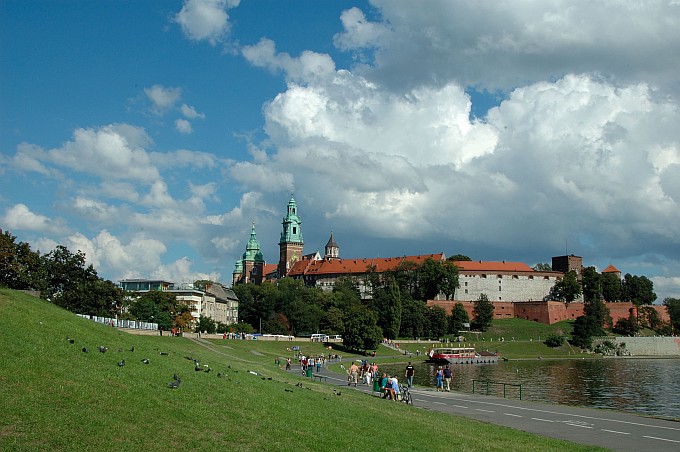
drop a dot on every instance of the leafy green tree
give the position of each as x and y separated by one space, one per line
450 280
638 289
568 288
407 276
361 331
554 340
20 267
303 316
673 308
438 322
648 317
206 324
590 325
413 319
332 321
482 313
459 316
591 280
612 289
458 257
436 277
627 326
387 302
542 267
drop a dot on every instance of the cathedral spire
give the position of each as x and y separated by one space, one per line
291 242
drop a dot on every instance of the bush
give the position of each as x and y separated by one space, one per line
554 340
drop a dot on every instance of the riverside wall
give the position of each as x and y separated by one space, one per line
649 346
547 312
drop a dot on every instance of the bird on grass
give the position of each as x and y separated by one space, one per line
146 361
132 349
85 350
288 390
121 363
163 353
174 384
70 341
103 349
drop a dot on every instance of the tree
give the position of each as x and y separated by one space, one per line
450 280
387 302
159 307
591 281
407 276
612 289
542 267
438 322
568 288
482 313
626 326
459 316
413 319
206 324
590 324
673 308
361 331
332 321
458 257
20 268
639 290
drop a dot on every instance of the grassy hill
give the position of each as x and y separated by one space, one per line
56 396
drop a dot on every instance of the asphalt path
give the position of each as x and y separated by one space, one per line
611 429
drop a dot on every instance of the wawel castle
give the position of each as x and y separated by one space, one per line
516 289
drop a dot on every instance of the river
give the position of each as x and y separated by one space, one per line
643 386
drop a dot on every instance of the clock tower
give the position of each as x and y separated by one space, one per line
290 245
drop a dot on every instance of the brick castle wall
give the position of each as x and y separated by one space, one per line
547 312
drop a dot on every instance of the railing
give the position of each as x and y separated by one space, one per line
488 383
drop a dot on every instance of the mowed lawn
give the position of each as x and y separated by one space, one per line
56 396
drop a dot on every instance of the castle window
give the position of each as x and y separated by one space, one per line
515 277
294 230
466 291
499 288
465 283
483 276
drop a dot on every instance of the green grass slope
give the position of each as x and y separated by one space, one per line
55 396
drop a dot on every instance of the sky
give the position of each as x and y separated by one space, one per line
151 134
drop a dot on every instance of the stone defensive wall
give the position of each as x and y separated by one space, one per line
648 346
547 312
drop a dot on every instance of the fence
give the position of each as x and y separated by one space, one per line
120 323
487 384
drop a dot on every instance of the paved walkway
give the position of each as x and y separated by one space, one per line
611 429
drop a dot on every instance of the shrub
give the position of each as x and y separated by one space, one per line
554 340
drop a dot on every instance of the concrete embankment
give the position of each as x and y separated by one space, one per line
649 346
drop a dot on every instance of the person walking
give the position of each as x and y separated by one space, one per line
447 377
439 379
353 374
410 372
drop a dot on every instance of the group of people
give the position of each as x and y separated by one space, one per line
366 373
312 362
443 377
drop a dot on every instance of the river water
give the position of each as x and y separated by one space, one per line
642 386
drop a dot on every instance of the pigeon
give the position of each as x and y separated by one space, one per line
70 341
132 349
175 383
85 350
103 349
208 370
198 369
146 361
121 363
288 390
164 354
219 374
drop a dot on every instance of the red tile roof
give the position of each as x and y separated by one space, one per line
355 266
611 269
480 266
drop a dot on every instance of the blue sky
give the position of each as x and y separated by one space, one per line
151 134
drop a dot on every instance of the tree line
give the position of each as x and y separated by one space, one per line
63 278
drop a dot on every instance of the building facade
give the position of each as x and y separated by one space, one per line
214 301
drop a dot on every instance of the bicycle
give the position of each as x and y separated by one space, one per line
405 395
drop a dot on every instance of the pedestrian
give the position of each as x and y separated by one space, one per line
410 372
353 374
288 361
439 379
447 377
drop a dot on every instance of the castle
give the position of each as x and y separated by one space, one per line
516 289
500 281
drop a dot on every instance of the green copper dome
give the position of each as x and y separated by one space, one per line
292 230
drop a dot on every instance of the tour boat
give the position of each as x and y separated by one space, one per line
461 355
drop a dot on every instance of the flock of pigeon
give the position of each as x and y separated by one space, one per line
176 380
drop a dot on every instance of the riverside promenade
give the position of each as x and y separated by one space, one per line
611 429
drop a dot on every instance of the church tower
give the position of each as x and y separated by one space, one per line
332 250
290 245
252 262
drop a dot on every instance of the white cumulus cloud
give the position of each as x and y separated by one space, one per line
205 20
